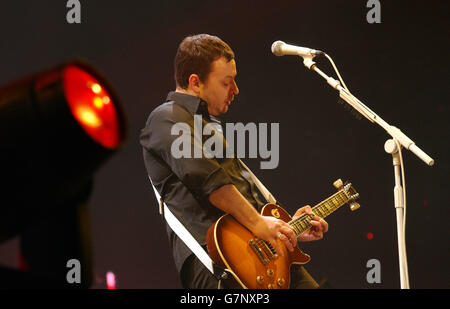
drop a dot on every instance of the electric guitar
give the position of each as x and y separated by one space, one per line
252 261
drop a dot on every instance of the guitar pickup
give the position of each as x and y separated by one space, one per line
258 251
267 248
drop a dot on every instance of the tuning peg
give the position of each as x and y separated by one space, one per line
338 184
354 206
347 186
355 196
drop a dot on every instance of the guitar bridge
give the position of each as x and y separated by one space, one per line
258 251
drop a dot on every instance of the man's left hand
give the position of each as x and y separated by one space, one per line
318 225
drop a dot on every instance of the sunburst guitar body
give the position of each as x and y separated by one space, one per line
252 261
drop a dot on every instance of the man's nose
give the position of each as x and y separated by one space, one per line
236 89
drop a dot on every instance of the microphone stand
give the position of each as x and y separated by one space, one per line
392 146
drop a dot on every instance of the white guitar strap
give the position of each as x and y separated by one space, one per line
182 232
186 236
267 195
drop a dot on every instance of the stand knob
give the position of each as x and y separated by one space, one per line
390 146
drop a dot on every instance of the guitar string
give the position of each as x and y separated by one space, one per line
321 210
261 242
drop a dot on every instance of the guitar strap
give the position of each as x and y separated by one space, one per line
185 235
267 195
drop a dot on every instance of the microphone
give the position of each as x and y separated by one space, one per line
279 48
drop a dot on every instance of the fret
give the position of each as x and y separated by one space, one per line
339 199
301 228
297 229
329 206
306 221
335 203
319 212
322 210
302 225
297 226
326 209
343 197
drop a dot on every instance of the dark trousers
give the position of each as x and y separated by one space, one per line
194 275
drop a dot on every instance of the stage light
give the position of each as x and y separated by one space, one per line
84 96
56 128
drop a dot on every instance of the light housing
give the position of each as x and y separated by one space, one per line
56 128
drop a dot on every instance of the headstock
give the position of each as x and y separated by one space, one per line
351 193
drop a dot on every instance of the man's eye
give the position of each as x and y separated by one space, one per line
226 85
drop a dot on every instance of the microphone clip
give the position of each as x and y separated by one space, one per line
308 62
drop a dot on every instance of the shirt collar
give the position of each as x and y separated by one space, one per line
192 104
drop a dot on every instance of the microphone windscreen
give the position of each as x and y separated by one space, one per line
277 48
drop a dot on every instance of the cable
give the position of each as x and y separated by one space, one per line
337 72
405 262
399 147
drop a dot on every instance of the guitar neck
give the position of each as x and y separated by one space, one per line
322 210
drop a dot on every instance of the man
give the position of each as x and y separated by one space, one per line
200 190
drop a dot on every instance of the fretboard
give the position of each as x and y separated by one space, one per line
321 210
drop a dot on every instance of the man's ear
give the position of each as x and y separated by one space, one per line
194 83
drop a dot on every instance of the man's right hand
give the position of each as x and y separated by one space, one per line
271 230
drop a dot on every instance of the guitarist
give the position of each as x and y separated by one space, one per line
200 190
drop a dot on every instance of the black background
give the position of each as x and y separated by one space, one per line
398 68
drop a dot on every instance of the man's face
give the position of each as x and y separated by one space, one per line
220 87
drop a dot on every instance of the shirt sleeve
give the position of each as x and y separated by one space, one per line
202 175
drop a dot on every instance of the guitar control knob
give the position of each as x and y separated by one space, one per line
275 213
270 286
260 279
270 272
280 282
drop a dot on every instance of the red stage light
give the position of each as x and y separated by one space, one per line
369 236
91 106
57 126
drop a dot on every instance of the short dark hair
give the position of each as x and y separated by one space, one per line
195 55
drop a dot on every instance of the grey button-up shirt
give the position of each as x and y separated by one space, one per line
185 183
